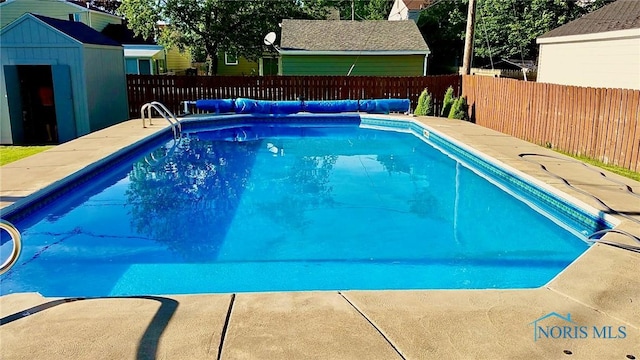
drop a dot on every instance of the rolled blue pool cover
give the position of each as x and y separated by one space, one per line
251 106
216 105
286 107
330 106
384 106
265 107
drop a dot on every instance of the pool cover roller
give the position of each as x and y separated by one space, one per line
265 107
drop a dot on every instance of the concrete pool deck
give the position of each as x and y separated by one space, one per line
600 291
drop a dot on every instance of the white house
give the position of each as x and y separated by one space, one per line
408 9
601 49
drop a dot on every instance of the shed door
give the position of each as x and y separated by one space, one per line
64 102
14 100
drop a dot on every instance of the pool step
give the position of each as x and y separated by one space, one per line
299 276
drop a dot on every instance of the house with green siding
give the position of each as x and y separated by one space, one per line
77 11
338 47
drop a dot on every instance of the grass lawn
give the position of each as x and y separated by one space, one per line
12 153
614 169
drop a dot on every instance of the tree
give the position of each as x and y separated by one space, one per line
363 9
447 102
504 28
443 26
425 104
210 26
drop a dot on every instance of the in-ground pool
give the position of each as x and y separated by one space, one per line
244 204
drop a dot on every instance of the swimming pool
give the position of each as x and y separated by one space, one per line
301 203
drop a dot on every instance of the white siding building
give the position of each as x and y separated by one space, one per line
407 9
601 49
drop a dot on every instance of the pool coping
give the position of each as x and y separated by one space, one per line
600 287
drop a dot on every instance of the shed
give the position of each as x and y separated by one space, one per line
600 49
334 47
59 80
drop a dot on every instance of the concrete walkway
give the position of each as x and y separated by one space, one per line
601 291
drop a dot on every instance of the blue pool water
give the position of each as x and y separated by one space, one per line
271 208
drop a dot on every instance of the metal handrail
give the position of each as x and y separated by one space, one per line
612 243
169 113
17 245
176 127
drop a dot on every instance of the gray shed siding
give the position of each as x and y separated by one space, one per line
97 77
106 96
33 43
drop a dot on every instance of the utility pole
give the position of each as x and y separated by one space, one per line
353 10
468 38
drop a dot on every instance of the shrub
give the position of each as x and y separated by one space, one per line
459 109
425 104
447 102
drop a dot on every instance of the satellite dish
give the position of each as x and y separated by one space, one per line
270 38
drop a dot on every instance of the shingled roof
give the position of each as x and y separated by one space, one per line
619 15
337 35
78 31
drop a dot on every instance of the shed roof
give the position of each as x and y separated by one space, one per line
619 15
78 31
337 35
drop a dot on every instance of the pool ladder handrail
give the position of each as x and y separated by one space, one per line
17 245
176 127
591 237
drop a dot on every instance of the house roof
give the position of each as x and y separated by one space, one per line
78 31
122 34
141 51
619 15
417 4
337 35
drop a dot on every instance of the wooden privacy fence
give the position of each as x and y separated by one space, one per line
599 123
171 90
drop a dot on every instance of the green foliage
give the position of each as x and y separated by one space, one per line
210 26
443 26
459 109
363 9
425 104
504 28
512 26
447 102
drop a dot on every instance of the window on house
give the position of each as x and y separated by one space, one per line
230 59
144 67
76 17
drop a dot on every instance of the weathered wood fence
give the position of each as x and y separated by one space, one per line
599 123
171 90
